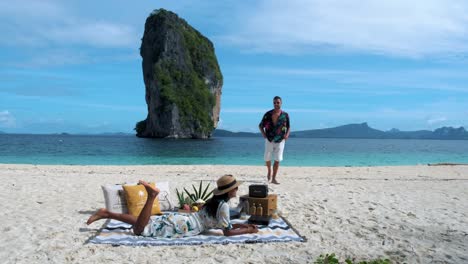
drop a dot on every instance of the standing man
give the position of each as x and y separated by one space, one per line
275 129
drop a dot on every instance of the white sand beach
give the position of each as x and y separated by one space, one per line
413 214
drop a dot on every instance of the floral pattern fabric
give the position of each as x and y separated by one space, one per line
275 132
173 225
176 225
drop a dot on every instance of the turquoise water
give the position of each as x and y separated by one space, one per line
130 150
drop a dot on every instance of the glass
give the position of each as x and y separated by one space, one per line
245 210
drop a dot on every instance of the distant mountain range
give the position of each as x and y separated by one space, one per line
347 131
362 131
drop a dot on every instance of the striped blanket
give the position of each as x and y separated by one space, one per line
118 233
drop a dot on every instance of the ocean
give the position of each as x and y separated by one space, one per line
130 150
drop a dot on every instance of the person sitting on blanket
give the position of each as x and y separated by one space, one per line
215 214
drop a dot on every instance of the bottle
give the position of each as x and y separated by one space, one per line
245 210
246 206
259 210
252 209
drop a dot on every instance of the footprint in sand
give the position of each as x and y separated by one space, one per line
410 214
387 241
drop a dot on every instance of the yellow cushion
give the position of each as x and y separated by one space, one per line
136 196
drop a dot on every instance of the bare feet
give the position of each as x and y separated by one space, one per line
152 191
100 214
274 181
269 177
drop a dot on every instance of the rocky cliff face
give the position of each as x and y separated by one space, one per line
182 79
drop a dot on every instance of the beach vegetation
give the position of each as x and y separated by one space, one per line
333 259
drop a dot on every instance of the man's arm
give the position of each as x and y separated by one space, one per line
262 130
286 136
262 127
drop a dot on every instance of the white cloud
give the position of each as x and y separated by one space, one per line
56 58
7 120
31 9
365 81
42 23
393 27
436 120
94 33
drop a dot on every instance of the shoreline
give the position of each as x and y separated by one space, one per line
414 214
234 165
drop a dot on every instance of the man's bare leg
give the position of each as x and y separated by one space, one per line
145 214
103 213
275 170
268 164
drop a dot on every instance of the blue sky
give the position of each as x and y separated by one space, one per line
74 66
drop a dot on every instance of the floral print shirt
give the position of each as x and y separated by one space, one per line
275 133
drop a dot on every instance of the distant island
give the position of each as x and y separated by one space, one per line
362 131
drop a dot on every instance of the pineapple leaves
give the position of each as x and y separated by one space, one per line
200 193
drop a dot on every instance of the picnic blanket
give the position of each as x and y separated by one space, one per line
118 233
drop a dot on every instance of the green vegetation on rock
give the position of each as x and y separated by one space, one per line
140 127
186 90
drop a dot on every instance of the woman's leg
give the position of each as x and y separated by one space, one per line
145 214
138 223
105 214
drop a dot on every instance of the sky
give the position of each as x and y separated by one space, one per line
74 66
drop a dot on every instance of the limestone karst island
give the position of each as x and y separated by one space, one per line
183 80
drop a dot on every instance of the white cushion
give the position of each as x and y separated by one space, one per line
164 196
114 197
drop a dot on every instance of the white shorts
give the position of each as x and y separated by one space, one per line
274 148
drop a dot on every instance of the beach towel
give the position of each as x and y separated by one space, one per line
118 233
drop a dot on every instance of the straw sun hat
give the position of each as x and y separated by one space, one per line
225 184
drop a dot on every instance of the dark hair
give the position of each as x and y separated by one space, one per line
213 203
277 97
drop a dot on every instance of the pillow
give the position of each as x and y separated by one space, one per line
136 198
164 196
115 198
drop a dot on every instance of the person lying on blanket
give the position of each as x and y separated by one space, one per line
215 214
